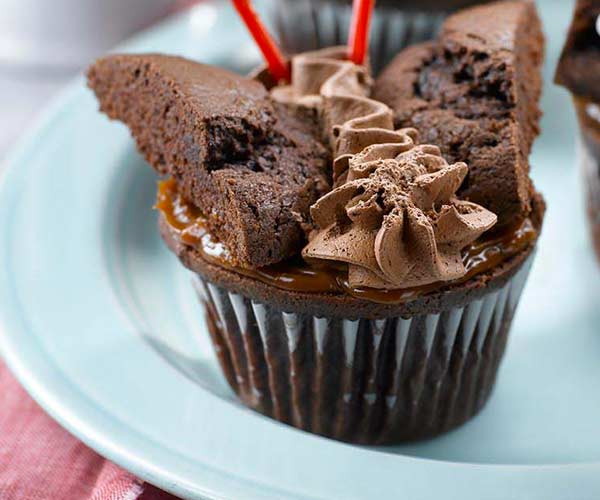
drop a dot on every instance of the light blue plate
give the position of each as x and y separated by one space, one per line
99 322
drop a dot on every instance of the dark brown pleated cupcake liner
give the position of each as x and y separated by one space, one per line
303 25
363 381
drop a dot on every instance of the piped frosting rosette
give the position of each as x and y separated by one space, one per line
396 220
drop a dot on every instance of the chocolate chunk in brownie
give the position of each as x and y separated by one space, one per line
474 92
579 65
251 165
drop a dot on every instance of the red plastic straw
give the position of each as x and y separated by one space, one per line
358 41
275 61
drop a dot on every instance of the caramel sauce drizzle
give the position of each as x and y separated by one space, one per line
298 275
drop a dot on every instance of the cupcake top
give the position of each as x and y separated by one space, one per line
324 185
579 65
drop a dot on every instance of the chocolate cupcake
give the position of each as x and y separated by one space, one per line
396 24
359 278
579 71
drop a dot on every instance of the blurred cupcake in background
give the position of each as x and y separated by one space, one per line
579 71
311 24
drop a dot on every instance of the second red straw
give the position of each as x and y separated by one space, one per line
358 41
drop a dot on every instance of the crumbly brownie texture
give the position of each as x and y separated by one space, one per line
474 92
250 164
579 65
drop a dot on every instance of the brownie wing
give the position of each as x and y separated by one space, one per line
579 65
252 166
474 92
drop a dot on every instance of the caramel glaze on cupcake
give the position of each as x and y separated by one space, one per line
358 274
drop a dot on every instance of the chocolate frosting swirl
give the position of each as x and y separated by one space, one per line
393 216
338 90
396 220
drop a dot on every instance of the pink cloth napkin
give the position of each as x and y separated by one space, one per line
39 460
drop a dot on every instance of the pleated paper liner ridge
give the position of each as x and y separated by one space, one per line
363 381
